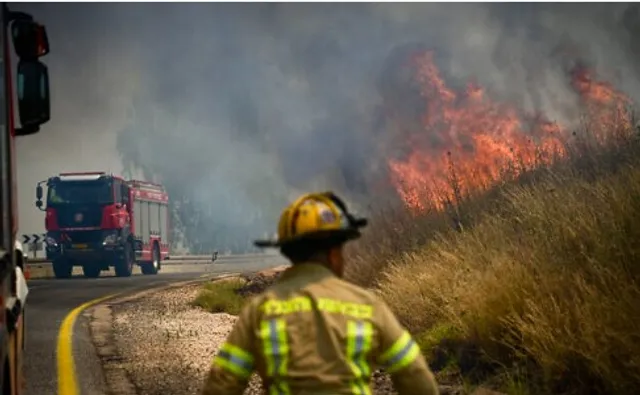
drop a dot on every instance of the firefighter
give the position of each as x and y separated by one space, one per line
54 197
312 332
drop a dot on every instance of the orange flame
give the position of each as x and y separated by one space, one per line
469 142
606 108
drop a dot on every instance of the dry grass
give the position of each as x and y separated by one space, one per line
540 284
221 296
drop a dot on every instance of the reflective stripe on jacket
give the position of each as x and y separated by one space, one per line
314 333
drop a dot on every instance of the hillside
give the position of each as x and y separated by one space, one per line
530 286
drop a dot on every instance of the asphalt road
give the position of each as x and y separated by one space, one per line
50 300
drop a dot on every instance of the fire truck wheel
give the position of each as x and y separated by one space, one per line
153 266
91 271
62 268
124 266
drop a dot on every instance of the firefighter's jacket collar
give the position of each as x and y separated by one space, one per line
310 270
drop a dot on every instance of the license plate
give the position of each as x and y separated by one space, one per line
80 246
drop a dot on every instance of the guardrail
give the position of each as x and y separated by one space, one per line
41 268
176 259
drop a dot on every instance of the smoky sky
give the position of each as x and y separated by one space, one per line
238 107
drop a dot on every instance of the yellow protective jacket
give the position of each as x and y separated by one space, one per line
313 333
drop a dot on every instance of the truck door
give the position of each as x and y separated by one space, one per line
6 244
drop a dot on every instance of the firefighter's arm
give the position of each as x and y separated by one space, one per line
401 357
234 363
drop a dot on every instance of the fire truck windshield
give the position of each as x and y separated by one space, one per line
80 192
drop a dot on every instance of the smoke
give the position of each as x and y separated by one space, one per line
238 107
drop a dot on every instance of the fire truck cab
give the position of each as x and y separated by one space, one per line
97 220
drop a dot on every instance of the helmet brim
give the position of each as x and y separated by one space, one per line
341 234
266 243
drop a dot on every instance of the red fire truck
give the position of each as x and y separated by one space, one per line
30 42
97 220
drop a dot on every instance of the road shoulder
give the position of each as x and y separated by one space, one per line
116 367
115 374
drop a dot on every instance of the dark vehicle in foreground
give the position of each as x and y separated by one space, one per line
29 39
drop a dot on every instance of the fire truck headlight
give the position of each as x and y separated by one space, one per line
50 242
110 239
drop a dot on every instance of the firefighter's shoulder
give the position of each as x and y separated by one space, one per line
381 314
348 290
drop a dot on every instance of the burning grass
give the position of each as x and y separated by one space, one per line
533 284
514 261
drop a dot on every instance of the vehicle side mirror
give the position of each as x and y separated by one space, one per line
39 192
39 204
30 39
33 96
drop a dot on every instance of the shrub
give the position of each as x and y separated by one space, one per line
221 296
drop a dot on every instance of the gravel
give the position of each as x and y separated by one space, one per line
167 346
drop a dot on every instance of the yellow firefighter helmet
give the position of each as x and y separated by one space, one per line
315 216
